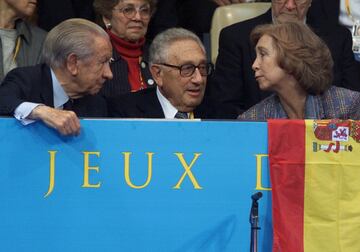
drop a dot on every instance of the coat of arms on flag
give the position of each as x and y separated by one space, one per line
315 173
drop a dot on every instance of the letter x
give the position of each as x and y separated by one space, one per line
187 170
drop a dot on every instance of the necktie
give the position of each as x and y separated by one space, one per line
181 115
68 105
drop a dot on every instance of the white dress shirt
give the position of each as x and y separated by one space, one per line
168 109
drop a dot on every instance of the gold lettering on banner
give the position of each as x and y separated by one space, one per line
51 173
127 170
87 168
187 170
259 171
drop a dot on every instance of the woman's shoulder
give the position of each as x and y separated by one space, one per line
30 32
340 94
341 103
266 109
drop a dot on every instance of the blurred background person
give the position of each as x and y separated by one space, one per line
344 12
189 14
53 12
20 41
126 22
193 15
296 65
227 2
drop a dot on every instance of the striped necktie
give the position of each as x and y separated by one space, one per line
181 115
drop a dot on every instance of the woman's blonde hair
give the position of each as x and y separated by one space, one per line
301 53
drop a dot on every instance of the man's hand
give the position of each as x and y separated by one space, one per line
227 2
66 122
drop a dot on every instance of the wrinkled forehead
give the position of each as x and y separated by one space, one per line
186 50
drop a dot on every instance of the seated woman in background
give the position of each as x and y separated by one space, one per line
20 42
126 22
297 66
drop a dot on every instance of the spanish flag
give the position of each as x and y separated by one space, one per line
315 178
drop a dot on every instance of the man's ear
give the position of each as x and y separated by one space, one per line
72 64
157 74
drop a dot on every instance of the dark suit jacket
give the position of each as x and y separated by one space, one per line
165 17
194 15
53 12
145 104
233 82
119 84
325 10
34 84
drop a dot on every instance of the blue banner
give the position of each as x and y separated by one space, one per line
142 185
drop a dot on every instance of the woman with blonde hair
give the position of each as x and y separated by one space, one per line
297 65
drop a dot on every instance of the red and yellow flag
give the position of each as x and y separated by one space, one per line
315 178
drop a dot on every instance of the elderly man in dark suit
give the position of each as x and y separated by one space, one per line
77 53
233 82
331 10
178 65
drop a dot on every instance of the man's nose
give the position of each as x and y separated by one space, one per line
137 15
197 77
290 4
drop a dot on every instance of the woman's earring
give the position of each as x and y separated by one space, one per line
108 26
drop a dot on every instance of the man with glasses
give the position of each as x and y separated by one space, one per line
233 82
77 54
178 65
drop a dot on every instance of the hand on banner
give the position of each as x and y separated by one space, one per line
65 122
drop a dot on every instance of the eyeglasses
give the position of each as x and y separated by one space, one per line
187 70
130 11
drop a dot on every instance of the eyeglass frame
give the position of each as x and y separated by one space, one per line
136 10
209 66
